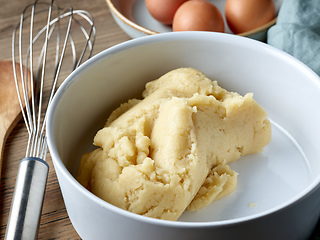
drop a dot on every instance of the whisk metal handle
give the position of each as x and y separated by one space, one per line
27 199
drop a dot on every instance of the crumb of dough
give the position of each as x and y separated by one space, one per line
251 205
170 151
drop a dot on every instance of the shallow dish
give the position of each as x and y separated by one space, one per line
133 17
278 194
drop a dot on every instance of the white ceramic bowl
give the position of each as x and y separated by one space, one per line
133 18
277 196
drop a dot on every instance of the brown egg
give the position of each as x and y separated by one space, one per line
163 10
198 15
246 15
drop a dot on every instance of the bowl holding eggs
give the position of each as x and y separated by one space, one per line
250 18
278 189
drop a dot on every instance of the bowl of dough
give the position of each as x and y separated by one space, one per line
186 135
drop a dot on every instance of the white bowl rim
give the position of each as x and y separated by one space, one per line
171 36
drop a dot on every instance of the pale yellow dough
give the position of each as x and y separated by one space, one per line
169 152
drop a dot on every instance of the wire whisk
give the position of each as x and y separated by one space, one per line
59 35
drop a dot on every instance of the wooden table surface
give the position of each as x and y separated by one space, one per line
55 223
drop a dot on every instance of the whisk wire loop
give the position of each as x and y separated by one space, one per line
33 114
